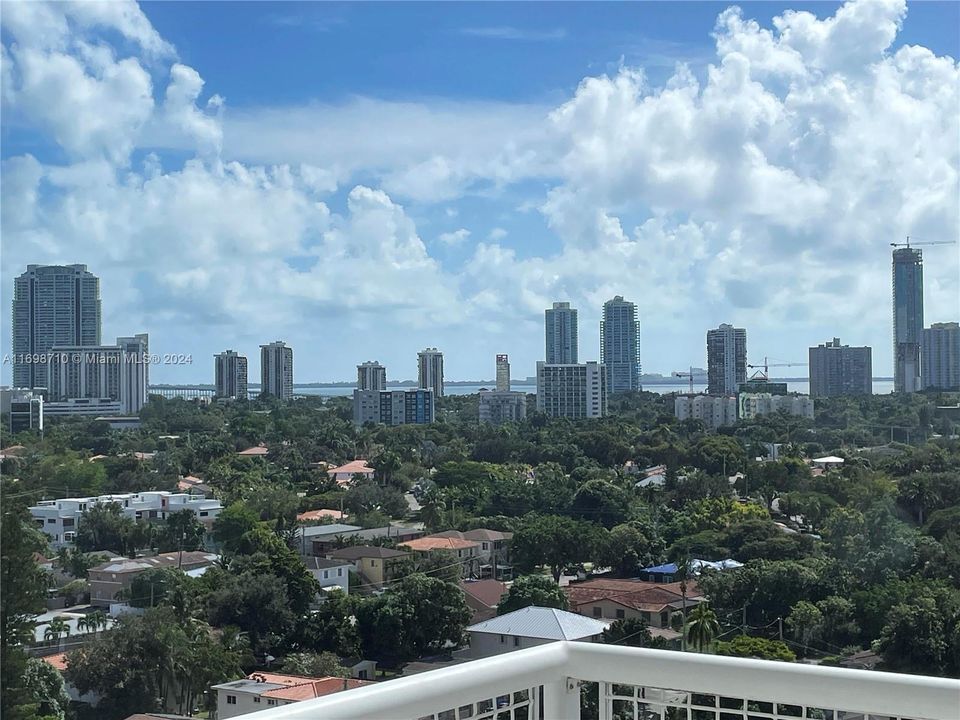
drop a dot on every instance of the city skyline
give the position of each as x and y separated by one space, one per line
226 196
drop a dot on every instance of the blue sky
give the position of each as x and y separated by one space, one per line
367 179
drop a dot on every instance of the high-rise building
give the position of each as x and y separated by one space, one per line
230 375
713 411
572 391
620 345
503 373
907 318
76 371
371 376
276 370
135 375
430 371
500 406
53 305
837 369
561 334
726 359
941 356
393 407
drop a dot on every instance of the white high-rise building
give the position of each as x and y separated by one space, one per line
562 334
940 356
503 373
135 375
230 375
572 391
430 371
713 411
276 370
76 371
726 359
411 406
496 406
53 305
371 375
620 345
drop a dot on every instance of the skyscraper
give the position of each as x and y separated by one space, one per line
371 376
837 369
561 334
276 370
77 371
726 359
503 373
620 345
941 356
230 371
393 407
430 371
52 305
135 374
907 318
572 391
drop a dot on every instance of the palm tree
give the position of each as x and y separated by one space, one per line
96 620
703 627
56 628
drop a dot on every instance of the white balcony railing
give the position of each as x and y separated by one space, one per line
543 683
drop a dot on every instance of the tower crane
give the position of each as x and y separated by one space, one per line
767 365
686 375
909 244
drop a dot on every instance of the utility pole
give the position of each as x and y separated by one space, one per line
743 621
780 628
183 536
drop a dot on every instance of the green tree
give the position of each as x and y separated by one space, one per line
554 541
49 692
104 527
255 603
233 523
57 628
805 622
537 590
24 588
181 531
914 637
755 647
156 586
702 627
632 632
324 664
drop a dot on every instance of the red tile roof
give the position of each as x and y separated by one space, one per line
320 514
354 466
487 592
57 662
636 594
311 689
255 451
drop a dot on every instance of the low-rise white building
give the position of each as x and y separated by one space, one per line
713 410
755 404
331 574
59 518
500 406
260 691
529 627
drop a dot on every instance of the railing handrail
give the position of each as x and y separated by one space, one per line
867 691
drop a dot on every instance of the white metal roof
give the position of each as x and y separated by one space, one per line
540 622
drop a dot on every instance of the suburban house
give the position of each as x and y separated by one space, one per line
464 550
494 550
260 691
344 474
482 597
654 603
359 668
255 451
373 564
59 518
58 662
115 576
331 574
668 572
529 627
321 539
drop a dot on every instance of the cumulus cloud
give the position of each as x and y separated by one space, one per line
761 189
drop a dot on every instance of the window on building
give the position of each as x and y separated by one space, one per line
271 702
231 699
373 563
620 615
339 572
326 574
502 639
204 513
486 546
597 611
362 675
256 699
52 521
516 641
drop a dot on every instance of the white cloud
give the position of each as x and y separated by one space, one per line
507 32
456 237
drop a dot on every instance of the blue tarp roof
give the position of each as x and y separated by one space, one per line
668 569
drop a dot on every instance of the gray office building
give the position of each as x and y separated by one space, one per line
393 407
620 345
500 406
230 375
837 369
276 370
52 305
726 359
941 356
561 334
907 318
371 376
430 371
135 374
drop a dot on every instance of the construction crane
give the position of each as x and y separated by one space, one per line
909 244
686 375
767 365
